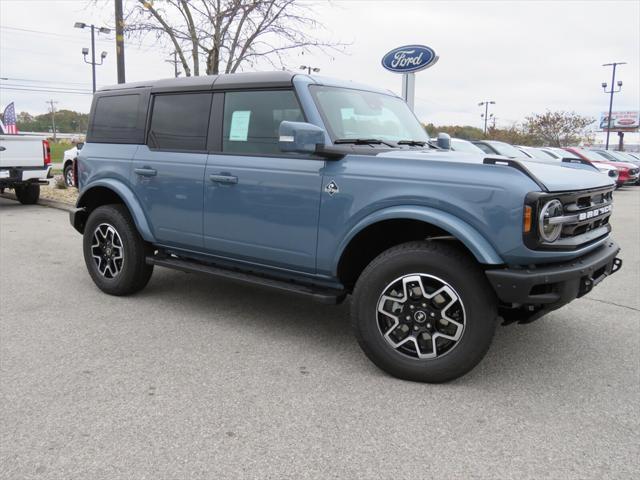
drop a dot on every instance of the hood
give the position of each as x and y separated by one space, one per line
560 177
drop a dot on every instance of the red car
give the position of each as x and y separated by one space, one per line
628 172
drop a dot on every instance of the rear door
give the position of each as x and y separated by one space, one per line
260 205
167 172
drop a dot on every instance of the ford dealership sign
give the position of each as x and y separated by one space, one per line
410 58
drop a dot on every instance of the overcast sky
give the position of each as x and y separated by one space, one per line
527 56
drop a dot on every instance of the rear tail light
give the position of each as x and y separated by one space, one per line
46 152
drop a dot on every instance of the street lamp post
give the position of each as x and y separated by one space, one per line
309 69
85 51
486 104
611 92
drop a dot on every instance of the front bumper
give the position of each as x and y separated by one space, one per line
539 290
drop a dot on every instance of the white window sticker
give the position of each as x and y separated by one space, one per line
239 126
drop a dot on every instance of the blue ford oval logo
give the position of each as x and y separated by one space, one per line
410 58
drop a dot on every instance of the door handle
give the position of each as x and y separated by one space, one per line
219 178
145 172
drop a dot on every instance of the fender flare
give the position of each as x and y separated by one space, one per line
477 244
129 199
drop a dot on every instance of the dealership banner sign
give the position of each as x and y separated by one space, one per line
628 121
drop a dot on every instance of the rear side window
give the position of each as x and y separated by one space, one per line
117 119
252 120
180 121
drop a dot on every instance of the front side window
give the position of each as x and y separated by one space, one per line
180 121
360 114
252 120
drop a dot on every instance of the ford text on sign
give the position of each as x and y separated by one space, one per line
410 58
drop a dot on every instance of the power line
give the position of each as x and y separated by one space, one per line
44 90
13 79
52 87
74 39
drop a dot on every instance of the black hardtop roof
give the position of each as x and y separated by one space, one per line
212 82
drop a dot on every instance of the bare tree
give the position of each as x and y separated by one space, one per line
558 129
228 34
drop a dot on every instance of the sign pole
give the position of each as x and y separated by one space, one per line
408 60
409 89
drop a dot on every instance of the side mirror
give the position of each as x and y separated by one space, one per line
80 145
300 137
444 141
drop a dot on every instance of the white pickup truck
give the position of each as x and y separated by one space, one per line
25 164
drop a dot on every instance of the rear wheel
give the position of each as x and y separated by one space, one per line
28 194
424 311
114 252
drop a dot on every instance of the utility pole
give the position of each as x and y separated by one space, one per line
611 92
486 104
175 62
53 117
119 41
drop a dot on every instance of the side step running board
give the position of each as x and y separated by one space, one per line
319 294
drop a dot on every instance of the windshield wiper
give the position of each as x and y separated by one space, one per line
363 141
412 143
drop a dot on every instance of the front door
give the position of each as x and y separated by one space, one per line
261 205
168 172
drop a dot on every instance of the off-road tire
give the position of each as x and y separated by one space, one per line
455 267
135 273
28 194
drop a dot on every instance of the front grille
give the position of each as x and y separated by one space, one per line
587 217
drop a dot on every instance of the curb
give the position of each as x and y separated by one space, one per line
45 202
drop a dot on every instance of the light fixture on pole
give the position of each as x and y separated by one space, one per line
611 92
85 51
486 104
309 69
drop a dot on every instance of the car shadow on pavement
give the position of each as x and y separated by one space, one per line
518 351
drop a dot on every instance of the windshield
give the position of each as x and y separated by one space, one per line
617 156
539 154
506 149
464 146
594 156
351 114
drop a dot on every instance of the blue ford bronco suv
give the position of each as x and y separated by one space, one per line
327 188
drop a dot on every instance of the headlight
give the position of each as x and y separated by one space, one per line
550 231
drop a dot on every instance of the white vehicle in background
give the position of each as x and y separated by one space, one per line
460 145
25 164
68 164
560 154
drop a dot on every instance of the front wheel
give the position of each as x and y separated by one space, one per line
424 311
114 252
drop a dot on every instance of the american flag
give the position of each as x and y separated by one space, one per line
10 119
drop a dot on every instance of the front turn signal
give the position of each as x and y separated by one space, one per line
526 224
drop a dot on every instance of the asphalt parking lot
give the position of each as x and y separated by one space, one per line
201 378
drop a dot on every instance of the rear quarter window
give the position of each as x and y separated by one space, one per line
117 119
